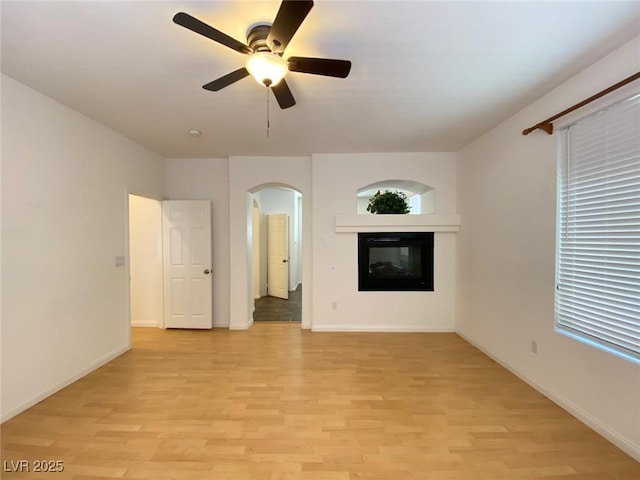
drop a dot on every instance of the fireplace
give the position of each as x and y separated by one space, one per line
398 261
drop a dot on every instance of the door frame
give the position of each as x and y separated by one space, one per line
150 196
256 249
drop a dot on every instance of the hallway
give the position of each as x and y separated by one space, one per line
270 309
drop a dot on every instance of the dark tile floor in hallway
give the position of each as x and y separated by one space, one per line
278 309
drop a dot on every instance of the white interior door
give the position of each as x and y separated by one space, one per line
186 247
278 255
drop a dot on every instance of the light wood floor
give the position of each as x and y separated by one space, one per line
278 403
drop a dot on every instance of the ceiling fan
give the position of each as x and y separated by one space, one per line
266 45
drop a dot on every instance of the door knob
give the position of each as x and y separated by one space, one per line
284 261
207 271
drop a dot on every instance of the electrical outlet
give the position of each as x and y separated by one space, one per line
334 305
119 261
534 346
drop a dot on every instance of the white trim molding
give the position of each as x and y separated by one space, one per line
145 323
379 329
441 223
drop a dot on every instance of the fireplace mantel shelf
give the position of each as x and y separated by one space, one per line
441 223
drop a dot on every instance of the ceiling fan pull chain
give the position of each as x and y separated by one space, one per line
268 123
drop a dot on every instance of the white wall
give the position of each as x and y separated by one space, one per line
247 175
145 261
64 218
336 180
208 179
507 199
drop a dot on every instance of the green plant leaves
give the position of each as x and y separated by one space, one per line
388 202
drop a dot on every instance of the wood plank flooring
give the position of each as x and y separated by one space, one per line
278 403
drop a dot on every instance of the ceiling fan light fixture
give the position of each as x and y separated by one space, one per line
267 68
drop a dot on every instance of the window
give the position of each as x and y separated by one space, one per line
598 244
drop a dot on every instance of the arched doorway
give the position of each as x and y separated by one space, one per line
248 175
276 216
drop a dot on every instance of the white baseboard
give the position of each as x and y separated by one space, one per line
382 329
47 393
242 327
144 323
618 440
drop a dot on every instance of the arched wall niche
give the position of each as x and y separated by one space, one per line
421 197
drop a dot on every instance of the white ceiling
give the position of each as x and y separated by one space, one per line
426 76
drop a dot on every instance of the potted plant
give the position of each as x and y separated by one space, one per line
388 202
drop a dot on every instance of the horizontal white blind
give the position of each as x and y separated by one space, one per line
598 264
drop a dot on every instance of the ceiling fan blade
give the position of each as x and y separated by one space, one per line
320 66
283 95
287 21
195 25
227 80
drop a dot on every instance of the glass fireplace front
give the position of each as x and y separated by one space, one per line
399 261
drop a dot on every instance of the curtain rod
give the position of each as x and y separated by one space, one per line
547 126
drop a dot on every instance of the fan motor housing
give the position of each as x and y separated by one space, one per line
257 37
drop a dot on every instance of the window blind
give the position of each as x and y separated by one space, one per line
598 247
